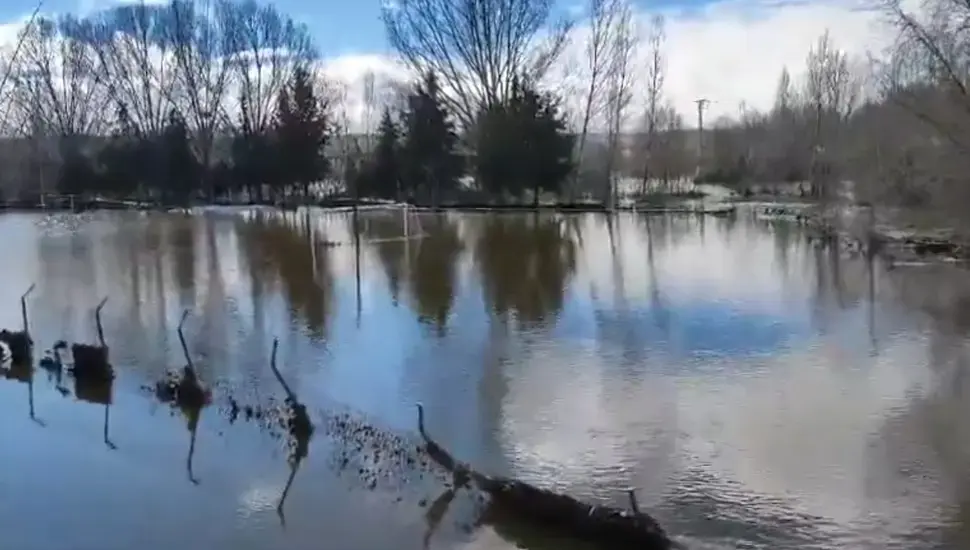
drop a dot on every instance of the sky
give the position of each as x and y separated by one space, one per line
727 51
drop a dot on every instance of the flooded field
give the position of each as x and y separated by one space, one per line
758 389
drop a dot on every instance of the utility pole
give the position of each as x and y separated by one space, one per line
701 104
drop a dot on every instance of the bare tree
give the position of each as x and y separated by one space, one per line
656 71
669 152
476 47
54 76
268 46
832 93
928 67
9 63
201 39
370 103
603 15
134 61
619 87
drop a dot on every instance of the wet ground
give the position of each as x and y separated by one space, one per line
757 389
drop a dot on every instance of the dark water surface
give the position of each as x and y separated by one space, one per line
759 390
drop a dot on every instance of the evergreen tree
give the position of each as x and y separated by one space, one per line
381 176
523 144
302 132
181 170
430 166
77 173
252 154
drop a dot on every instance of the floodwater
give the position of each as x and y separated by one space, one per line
756 388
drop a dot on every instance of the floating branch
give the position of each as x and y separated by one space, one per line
614 527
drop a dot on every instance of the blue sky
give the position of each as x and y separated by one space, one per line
729 51
339 27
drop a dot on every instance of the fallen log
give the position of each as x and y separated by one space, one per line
612 527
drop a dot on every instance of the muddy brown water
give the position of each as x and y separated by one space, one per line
757 389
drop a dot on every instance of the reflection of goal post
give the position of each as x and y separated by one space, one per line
408 216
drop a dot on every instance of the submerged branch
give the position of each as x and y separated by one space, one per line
276 372
602 524
97 320
23 309
185 347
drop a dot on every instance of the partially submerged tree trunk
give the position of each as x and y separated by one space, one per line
620 529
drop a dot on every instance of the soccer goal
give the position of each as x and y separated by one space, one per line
392 222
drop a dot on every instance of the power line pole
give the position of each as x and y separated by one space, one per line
701 104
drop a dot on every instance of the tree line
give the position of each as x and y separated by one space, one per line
208 98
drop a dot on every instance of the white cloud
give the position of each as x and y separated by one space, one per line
730 51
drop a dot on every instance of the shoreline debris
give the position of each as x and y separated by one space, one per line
19 343
616 528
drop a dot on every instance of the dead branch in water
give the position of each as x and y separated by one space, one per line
19 343
91 361
23 309
276 372
185 347
298 423
601 524
97 320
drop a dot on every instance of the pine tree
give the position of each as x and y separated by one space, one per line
381 176
302 130
523 144
430 166
181 168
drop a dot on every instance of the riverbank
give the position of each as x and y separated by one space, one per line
691 202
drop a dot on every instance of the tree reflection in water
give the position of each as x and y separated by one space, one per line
525 264
384 232
432 272
288 249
